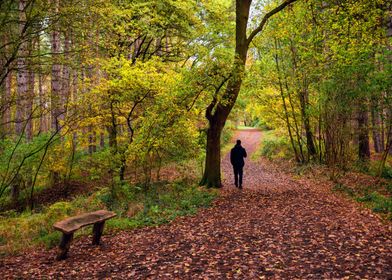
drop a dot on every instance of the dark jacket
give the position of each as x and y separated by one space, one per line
237 156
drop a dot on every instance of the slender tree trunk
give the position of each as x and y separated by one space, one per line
22 75
42 99
303 96
284 103
296 126
7 100
29 106
66 76
55 97
376 121
363 134
56 74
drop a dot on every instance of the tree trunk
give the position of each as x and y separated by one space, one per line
212 172
284 103
303 96
7 103
30 98
296 126
212 177
42 99
363 134
56 72
376 121
66 76
55 97
22 75
223 107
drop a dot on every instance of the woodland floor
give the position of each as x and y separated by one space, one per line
277 227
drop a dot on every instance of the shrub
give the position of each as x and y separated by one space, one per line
274 146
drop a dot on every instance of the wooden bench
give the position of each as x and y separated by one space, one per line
72 224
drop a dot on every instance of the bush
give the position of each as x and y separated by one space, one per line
274 146
374 168
387 171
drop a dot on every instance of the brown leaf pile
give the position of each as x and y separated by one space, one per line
276 228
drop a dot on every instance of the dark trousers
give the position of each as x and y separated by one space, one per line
238 172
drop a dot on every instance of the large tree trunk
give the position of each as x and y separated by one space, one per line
223 107
212 177
212 174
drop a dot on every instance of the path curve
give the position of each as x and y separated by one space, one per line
275 228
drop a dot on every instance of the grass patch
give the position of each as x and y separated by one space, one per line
135 207
377 202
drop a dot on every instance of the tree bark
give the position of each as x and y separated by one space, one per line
42 99
363 134
55 97
212 175
66 76
30 97
304 97
22 75
56 74
376 121
6 100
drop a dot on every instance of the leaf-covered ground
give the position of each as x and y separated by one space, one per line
277 227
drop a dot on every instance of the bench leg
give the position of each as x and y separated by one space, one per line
64 246
97 232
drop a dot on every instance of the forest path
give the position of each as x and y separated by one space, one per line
277 227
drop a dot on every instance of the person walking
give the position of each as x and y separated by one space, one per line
237 155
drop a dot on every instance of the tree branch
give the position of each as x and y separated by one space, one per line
265 19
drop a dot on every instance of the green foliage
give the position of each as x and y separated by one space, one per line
161 204
374 200
378 203
274 146
373 167
387 172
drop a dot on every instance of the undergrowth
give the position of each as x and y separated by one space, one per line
274 146
374 200
135 206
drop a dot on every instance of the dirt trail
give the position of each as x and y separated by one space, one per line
277 227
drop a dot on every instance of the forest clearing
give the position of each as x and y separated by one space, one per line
196 139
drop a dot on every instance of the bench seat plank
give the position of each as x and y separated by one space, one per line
72 224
